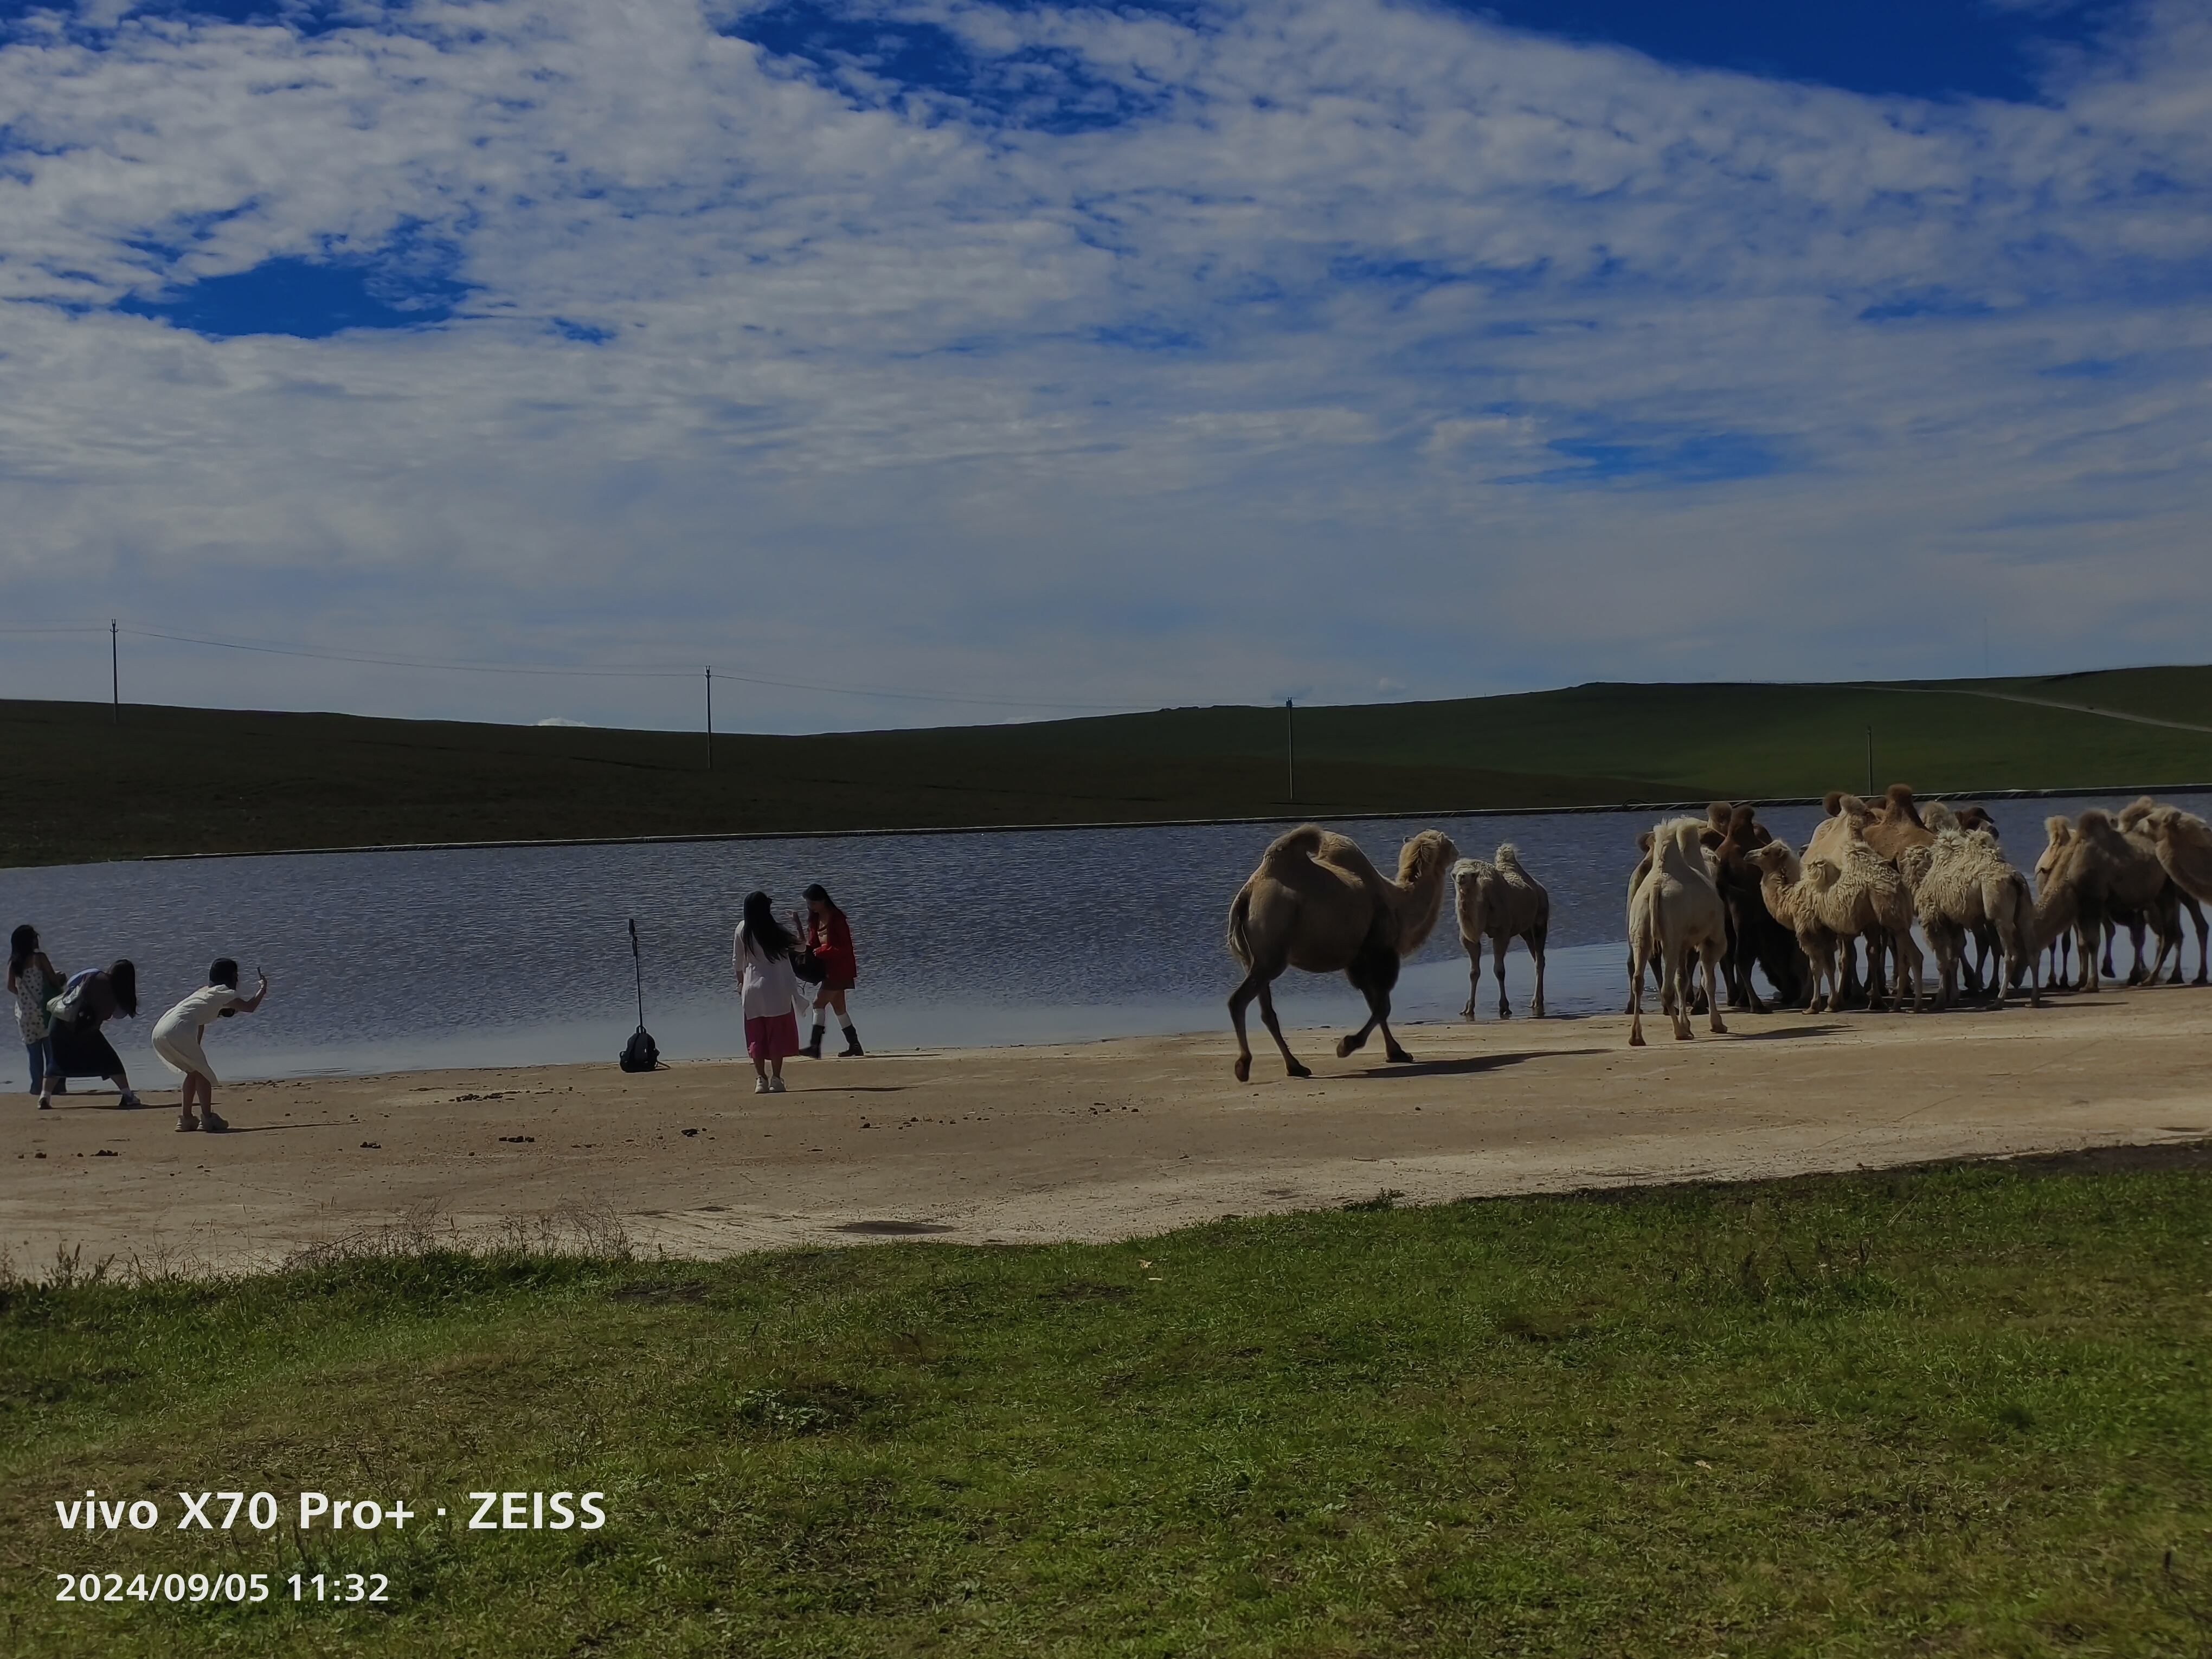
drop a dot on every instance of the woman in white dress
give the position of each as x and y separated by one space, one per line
768 991
176 1038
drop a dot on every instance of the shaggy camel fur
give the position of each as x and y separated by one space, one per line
1827 902
2184 844
1317 904
1795 904
1968 883
1675 914
1500 901
1847 814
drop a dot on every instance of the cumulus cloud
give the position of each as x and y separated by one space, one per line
1076 356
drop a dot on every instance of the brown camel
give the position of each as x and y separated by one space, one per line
1897 824
1316 903
1756 936
2183 842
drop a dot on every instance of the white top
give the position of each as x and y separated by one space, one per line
195 1013
765 989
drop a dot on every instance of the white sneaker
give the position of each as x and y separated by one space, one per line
760 1085
775 1086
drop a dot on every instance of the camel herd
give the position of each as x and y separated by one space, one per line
1722 893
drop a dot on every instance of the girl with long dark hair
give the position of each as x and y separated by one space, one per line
31 981
89 1000
768 992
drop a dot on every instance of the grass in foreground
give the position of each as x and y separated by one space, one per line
1959 1410
216 780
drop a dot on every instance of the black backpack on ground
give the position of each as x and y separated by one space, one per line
641 1052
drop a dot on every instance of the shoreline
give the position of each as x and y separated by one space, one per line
1113 1139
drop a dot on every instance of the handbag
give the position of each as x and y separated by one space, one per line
806 965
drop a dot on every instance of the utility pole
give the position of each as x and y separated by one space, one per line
710 718
114 670
1869 762
1291 744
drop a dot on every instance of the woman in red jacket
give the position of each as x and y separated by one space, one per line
830 939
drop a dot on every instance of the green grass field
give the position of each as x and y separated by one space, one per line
1961 1410
177 780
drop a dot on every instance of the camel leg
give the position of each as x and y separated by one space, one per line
1473 976
1635 996
1535 943
1683 979
1909 965
1498 962
2197 915
1712 956
1290 1066
1239 1000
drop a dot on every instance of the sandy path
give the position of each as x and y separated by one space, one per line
1096 1140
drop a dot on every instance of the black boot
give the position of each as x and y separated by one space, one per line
851 1044
813 1049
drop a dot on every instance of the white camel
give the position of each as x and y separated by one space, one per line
1675 914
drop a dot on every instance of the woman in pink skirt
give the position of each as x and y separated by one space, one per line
768 992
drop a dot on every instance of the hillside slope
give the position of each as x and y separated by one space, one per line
179 780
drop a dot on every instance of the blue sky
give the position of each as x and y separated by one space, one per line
1037 354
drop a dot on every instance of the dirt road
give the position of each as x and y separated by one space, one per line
1091 1141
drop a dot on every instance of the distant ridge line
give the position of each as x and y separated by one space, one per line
1696 805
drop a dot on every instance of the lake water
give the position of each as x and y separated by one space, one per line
395 961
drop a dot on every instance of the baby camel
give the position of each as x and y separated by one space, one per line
1500 901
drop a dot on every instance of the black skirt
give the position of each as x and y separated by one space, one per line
83 1050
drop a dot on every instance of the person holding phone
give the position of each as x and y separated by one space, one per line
177 1036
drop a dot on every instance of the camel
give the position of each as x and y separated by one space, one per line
1898 826
2183 842
1967 885
1794 905
1316 903
2122 875
1675 912
2056 937
1757 937
1500 901
1844 811
1828 900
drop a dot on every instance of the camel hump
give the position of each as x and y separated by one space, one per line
2059 828
1508 857
2136 811
1899 799
1302 842
1832 802
1852 807
2095 820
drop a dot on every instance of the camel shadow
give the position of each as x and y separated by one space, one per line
1474 1065
276 1128
1786 1033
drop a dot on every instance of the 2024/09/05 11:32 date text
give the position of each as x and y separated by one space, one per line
235 1587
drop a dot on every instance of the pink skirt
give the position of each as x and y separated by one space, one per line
775 1037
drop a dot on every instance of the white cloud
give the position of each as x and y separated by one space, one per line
1385 345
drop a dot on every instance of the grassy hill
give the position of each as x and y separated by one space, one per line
183 780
